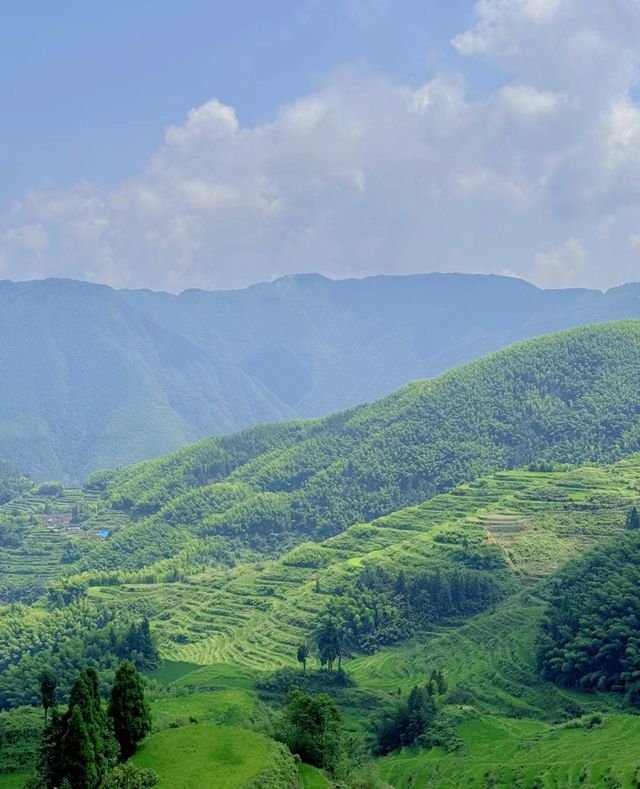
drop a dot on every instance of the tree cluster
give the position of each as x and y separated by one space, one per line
590 636
313 728
81 745
100 644
411 719
385 605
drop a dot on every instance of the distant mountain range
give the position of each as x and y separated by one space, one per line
93 377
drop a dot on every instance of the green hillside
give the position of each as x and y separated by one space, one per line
447 530
570 397
99 378
196 756
229 628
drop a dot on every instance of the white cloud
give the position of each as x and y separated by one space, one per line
527 102
367 175
560 267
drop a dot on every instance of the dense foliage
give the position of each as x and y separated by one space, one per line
385 605
82 745
569 397
12 482
152 371
78 745
591 634
81 635
128 709
407 721
313 728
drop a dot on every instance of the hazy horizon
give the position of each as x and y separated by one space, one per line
311 274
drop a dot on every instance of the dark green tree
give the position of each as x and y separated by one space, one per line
329 640
404 723
303 654
48 685
79 746
49 767
421 710
78 758
128 709
313 728
438 680
633 519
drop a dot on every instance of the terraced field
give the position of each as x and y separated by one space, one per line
255 616
218 629
38 560
501 752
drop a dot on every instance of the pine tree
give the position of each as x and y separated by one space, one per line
633 519
147 646
303 653
48 685
128 709
77 755
50 768
78 746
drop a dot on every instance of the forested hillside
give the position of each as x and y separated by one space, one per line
404 557
97 378
570 397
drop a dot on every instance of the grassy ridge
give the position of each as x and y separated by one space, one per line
194 756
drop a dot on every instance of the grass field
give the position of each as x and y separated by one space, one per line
312 778
206 757
224 706
219 630
502 752
13 780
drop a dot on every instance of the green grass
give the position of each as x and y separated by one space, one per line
171 670
313 778
216 677
224 706
200 757
13 780
501 752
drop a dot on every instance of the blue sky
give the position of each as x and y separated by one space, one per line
213 144
79 78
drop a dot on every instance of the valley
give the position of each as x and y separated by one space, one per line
240 549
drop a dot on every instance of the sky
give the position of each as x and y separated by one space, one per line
172 144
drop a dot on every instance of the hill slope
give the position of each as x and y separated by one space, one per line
94 377
569 397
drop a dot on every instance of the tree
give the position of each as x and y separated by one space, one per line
77 755
421 710
128 709
633 519
49 767
406 722
48 685
79 746
303 654
438 681
313 728
329 641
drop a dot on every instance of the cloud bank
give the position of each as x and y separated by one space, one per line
539 177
